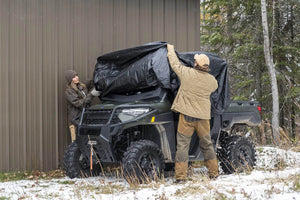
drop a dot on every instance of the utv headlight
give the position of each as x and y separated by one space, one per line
132 113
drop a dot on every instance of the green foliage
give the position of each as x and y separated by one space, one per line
243 84
215 38
293 92
240 98
233 30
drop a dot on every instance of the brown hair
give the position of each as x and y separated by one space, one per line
203 68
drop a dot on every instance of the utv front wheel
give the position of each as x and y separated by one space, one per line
236 154
76 164
142 162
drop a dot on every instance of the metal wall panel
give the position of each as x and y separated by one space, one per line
193 20
120 22
145 23
17 84
4 86
34 96
107 18
132 22
50 82
181 24
170 30
157 31
40 40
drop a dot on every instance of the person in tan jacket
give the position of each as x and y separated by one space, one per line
193 103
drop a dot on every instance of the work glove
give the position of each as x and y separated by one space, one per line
95 92
169 47
87 100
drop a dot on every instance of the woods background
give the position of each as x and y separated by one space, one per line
233 29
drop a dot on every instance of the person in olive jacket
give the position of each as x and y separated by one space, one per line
78 97
193 103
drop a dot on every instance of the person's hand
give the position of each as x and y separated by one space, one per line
169 46
95 92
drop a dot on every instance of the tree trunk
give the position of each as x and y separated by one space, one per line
272 73
293 113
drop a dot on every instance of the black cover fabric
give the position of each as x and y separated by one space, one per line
138 68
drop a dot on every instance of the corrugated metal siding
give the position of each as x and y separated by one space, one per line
4 98
40 40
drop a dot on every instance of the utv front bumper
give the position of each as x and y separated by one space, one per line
96 128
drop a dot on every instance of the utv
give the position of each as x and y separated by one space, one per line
138 131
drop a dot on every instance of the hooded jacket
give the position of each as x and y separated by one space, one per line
77 98
193 97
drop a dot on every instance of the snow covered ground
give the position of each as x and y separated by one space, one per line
277 176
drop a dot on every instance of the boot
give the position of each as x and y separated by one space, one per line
213 168
181 171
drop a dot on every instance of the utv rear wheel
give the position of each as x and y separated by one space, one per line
142 162
236 154
76 164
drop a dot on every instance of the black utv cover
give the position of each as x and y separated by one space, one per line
139 68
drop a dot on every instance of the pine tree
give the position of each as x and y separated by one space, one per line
233 30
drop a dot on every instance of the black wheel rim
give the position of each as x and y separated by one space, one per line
148 164
244 156
83 162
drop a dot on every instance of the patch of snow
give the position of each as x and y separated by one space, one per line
276 173
274 158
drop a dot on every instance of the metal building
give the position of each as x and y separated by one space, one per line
41 39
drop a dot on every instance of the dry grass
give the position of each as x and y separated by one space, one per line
198 185
31 175
198 182
106 188
296 148
296 184
262 135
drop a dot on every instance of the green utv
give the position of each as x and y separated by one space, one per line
139 131
137 128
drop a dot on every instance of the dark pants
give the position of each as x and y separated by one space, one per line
186 127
